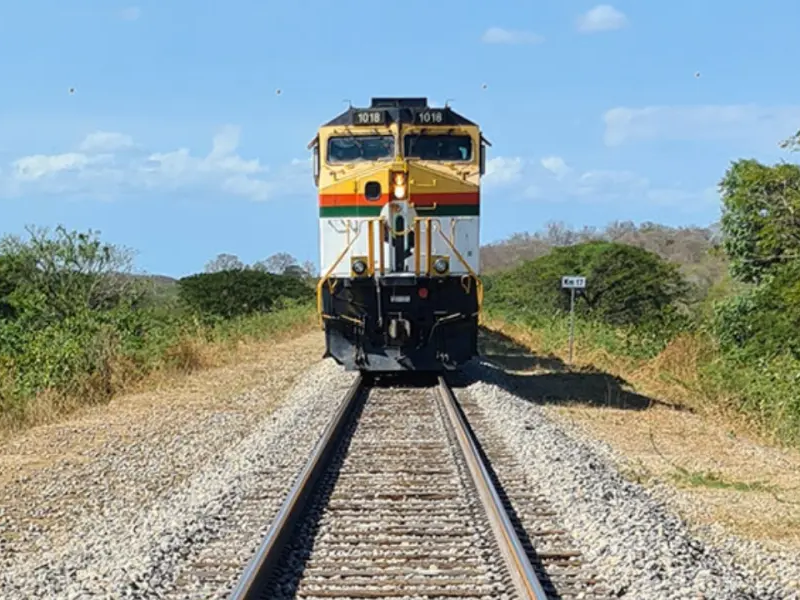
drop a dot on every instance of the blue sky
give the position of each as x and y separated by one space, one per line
176 143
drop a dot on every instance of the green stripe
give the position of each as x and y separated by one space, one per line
349 211
449 210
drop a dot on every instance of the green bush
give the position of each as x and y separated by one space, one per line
236 292
74 323
760 217
764 321
765 388
626 286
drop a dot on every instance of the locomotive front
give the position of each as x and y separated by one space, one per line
399 205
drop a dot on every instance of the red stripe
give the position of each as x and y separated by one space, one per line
350 200
417 198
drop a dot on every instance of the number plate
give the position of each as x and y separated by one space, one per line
369 117
573 282
429 117
400 298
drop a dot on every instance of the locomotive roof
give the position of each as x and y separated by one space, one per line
399 110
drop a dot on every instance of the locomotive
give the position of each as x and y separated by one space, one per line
399 236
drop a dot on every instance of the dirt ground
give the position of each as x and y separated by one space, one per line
719 476
271 367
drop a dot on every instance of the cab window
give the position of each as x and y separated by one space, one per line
360 148
438 147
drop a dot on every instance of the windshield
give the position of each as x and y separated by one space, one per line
362 147
438 147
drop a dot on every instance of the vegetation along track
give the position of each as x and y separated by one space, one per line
397 501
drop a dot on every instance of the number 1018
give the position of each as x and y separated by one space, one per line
430 117
369 118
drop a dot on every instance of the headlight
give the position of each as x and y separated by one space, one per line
359 267
440 265
399 185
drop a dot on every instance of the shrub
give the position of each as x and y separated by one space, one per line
626 285
764 321
76 326
237 292
760 217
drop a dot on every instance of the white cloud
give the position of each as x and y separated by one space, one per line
38 166
105 141
105 163
611 183
602 17
608 186
498 35
553 179
131 13
221 161
735 122
504 170
556 165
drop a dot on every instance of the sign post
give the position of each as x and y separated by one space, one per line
572 283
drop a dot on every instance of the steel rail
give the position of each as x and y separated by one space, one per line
255 577
520 568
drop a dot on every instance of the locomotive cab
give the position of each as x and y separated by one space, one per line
399 199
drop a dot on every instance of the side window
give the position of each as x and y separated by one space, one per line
438 147
316 165
483 159
344 149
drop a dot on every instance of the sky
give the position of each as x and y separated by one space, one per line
179 129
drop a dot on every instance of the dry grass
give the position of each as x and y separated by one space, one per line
159 408
722 468
189 354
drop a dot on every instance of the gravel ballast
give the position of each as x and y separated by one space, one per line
642 549
192 539
397 509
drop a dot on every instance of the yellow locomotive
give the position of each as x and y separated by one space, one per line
399 235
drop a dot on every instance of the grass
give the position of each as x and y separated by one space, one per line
87 366
688 369
717 481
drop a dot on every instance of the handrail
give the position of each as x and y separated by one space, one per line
371 247
478 282
327 275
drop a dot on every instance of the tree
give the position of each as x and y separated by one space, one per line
295 271
310 268
237 292
224 262
761 217
278 263
626 285
694 248
764 320
51 276
791 143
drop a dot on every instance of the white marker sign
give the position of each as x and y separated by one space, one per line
573 282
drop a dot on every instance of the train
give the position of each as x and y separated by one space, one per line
399 186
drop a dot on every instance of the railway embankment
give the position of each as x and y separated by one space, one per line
129 497
169 492
646 467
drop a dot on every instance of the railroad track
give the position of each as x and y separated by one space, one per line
397 501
